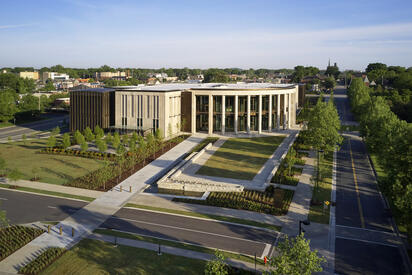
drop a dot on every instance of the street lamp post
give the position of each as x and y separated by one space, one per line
305 222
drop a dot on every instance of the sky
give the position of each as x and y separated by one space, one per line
203 34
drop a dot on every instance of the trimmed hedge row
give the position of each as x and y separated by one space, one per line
14 237
85 154
43 261
273 201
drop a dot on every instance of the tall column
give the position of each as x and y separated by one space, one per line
285 98
278 111
289 109
248 114
270 113
210 114
236 112
193 122
260 114
223 114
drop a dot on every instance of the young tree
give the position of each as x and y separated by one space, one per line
108 138
295 258
116 141
132 145
217 266
14 175
98 132
24 138
125 139
51 141
88 134
169 130
84 146
158 138
66 141
121 150
55 131
7 105
151 144
78 137
101 145
35 172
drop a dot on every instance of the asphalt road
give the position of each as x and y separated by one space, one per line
26 208
29 128
365 241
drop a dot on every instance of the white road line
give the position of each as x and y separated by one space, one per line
365 229
365 241
4 199
53 207
190 230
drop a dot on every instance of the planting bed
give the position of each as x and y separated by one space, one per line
273 201
43 261
14 237
109 176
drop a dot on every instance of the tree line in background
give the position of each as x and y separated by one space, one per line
390 139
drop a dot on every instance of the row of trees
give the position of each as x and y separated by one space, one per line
390 138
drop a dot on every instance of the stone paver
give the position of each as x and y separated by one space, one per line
85 220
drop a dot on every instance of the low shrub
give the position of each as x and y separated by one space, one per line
273 201
14 237
43 261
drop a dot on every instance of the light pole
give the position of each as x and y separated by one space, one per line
305 222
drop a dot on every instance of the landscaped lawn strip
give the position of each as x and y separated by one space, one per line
203 144
240 158
56 169
207 216
318 213
97 257
273 201
14 237
177 244
43 260
45 192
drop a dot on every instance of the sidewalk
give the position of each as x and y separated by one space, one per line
173 250
94 214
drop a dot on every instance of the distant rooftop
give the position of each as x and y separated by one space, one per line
204 86
100 90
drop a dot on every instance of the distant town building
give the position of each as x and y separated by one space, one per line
54 76
29 75
111 75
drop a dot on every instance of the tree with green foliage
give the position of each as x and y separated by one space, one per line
24 138
88 134
120 149
217 265
116 141
159 137
151 144
84 146
55 131
125 139
29 106
99 133
14 175
295 258
101 145
66 141
35 171
49 86
78 137
215 75
291 160
7 105
108 138
329 83
51 141
332 71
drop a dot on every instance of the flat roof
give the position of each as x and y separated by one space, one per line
100 90
204 86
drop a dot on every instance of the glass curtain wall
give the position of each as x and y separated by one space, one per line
265 112
254 113
230 114
217 113
242 114
202 113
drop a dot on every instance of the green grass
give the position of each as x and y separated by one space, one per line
235 256
207 216
55 169
97 257
45 192
203 144
240 158
5 124
317 213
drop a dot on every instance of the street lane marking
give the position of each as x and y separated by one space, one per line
266 251
53 207
365 241
4 199
365 229
356 186
190 230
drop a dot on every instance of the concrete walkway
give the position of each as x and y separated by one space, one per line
84 221
173 250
